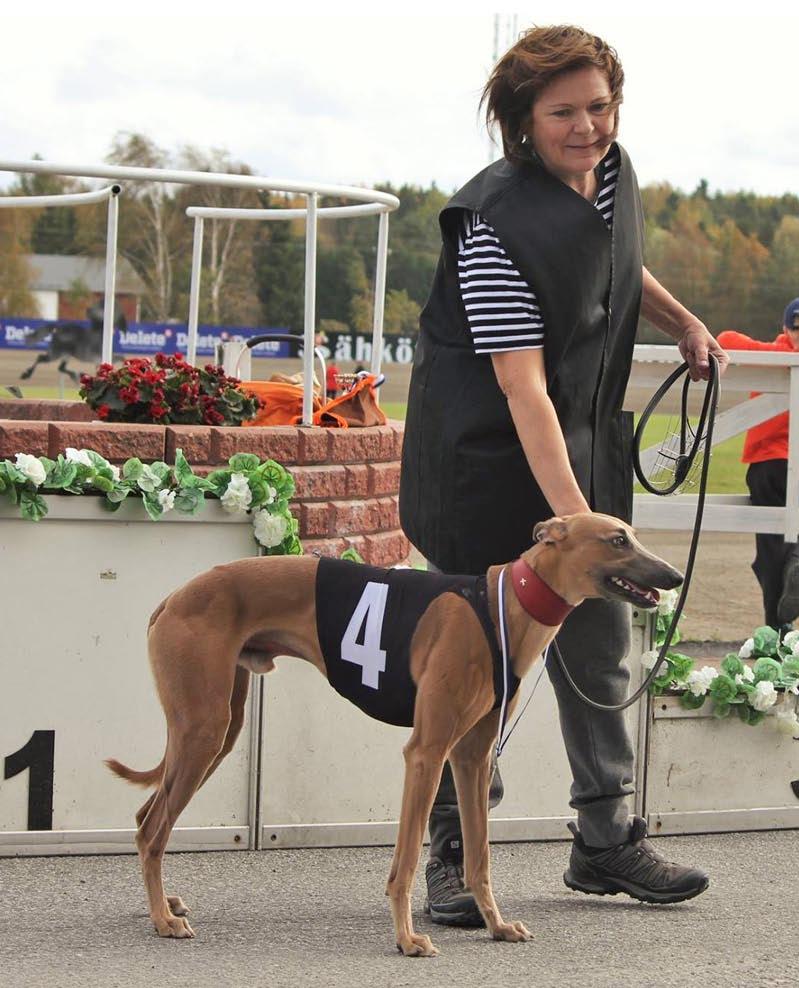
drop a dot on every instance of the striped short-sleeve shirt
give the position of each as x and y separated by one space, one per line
501 307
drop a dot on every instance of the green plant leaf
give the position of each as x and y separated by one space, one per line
723 689
13 474
188 500
352 554
767 669
732 665
118 494
721 710
680 665
244 462
766 640
62 474
32 506
182 469
132 469
152 505
690 701
104 484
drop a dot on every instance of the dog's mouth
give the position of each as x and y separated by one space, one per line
644 597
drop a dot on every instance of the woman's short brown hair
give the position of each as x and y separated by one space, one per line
541 54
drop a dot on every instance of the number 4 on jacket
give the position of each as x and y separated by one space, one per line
368 654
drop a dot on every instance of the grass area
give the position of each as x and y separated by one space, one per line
394 409
70 394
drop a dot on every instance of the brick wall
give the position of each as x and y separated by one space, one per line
347 480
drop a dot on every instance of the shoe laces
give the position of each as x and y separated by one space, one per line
444 878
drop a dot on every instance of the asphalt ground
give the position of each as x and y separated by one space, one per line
319 918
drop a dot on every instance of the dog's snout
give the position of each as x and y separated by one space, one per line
674 579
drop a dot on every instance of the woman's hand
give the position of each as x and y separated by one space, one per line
695 344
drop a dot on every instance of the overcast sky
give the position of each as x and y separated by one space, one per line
360 99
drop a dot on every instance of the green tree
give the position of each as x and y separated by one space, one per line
15 270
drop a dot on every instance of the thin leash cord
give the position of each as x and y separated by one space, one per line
502 740
707 419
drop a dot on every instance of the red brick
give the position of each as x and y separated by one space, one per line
43 410
23 437
116 441
357 479
384 477
359 516
356 445
385 548
319 482
324 547
194 440
313 445
388 512
314 519
274 442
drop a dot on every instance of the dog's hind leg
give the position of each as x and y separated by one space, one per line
472 766
238 698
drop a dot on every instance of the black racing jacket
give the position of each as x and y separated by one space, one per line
365 620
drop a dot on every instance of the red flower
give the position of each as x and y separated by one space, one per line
129 394
102 411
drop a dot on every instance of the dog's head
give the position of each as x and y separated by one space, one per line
595 555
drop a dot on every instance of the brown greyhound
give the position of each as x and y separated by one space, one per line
207 638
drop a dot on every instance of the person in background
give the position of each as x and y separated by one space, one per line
776 562
332 380
514 415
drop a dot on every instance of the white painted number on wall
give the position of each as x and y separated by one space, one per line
368 654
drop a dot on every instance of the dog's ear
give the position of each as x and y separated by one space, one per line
550 531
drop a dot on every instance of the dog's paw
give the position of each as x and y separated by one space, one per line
177 906
417 945
174 926
513 932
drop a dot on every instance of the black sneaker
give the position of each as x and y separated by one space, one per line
448 902
788 606
635 868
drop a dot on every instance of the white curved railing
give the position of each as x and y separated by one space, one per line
111 194
370 202
775 376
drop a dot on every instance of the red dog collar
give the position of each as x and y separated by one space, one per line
536 597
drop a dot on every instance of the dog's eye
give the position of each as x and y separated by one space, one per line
619 540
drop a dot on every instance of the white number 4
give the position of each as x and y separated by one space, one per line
369 655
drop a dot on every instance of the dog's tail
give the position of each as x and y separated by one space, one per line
145 779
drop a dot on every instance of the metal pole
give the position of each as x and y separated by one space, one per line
110 276
194 290
792 480
310 309
380 293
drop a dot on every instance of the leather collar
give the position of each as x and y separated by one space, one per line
537 597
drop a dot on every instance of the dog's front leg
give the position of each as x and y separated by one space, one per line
472 767
423 766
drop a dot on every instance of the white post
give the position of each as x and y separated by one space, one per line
194 290
310 309
110 276
792 483
380 293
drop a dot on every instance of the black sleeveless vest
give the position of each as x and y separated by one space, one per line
467 496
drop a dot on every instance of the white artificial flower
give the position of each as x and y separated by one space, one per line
791 640
79 456
786 719
795 648
745 651
270 530
668 601
648 659
115 471
764 696
271 493
698 681
747 676
167 500
238 496
31 467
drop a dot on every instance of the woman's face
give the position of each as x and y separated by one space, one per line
572 122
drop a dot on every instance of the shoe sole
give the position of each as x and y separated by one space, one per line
654 898
467 919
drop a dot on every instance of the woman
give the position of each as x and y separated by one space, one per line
514 411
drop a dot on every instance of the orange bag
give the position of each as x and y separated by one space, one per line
283 405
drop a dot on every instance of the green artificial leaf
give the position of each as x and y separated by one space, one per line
117 495
723 689
152 505
182 469
352 554
244 462
767 669
188 500
97 460
3 482
47 463
32 505
161 470
104 484
132 469
721 710
766 640
219 480
13 474
732 665
790 667
690 701
680 665
750 716
62 474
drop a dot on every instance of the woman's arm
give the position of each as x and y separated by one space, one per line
693 338
522 378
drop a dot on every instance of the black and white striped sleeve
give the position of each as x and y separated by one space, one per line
501 308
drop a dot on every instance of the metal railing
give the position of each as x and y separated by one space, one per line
370 202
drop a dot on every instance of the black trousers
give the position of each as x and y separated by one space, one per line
767 482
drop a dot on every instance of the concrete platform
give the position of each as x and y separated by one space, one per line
319 918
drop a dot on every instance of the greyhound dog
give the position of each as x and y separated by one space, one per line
207 638
72 341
